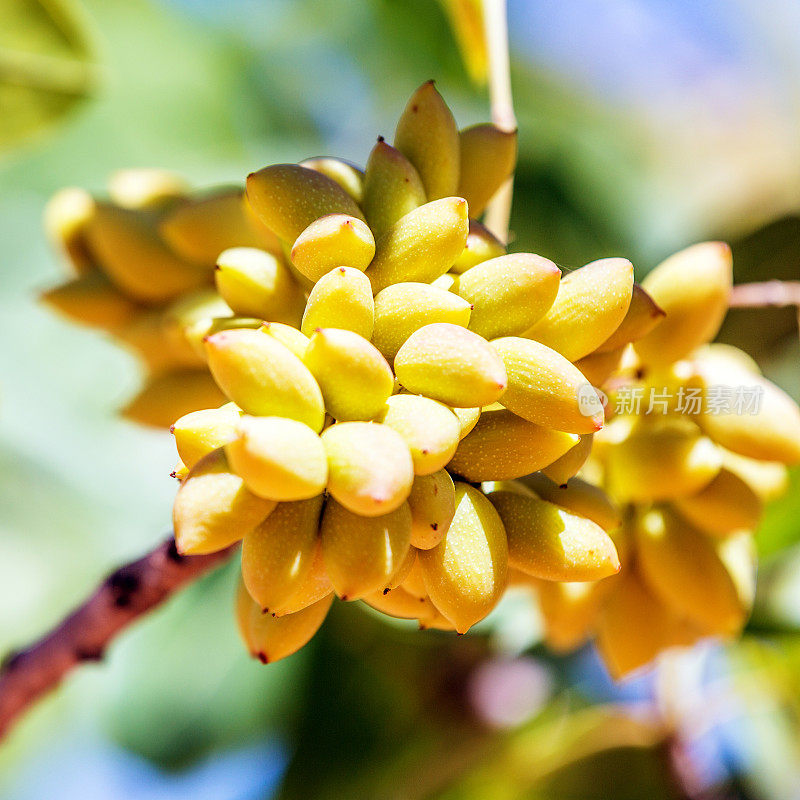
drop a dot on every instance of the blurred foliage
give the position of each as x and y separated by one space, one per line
195 693
377 710
780 527
467 20
594 752
46 64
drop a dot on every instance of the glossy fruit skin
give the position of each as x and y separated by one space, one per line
689 504
662 460
570 611
683 567
370 470
451 364
403 308
287 198
488 157
278 554
726 505
578 496
466 573
543 387
263 377
591 303
335 240
566 467
199 432
392 187
422 245
432 504
362 553
504 446
768 432
488 395
400 604
692 288
269 638
255 283
428 137
552 543
315 586
213 508
278 458
633 607
292 339
509 293
342 298
430 430
355 379
467 418
642 316
598 366
481 245
402 571
349 176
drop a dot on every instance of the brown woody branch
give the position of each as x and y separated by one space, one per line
125 595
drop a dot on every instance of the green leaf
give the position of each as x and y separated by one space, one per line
45 65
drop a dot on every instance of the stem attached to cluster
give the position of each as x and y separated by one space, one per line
124 596
498 211
762 295
768 294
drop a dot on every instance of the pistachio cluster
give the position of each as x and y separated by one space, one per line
409 406
368 449
695 445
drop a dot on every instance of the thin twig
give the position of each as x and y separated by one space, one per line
127 594
498 212
766 294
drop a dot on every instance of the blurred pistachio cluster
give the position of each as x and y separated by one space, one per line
696 442
143 263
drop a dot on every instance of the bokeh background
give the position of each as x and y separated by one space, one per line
645 125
